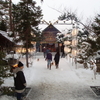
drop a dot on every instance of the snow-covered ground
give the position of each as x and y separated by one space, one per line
65 83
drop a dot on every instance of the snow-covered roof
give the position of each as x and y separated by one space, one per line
3 33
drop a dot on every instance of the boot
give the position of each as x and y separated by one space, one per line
56 66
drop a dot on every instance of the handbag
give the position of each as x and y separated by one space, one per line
52 63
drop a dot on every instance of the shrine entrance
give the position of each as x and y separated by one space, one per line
49 38
51 46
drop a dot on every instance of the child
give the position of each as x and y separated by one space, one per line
19 79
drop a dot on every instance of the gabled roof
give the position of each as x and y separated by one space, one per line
51 28
3 33
5 40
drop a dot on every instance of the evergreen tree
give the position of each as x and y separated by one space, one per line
96 25
4 68
4 19
94 44
4 13
26 18
83 47
96 28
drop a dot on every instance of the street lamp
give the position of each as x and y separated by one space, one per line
74 37
67 42
74 52
74 32
74 44
67 50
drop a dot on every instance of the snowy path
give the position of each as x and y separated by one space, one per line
64 83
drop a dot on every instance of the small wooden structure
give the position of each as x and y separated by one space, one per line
5 43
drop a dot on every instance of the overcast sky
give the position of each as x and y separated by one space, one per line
84 8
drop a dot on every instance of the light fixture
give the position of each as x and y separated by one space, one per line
74 52
74 32
67 50
67 42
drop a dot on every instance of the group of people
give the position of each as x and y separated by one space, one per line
19 78
48 57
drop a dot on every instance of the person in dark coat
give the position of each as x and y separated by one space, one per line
57 58
49 60
19 79
63 53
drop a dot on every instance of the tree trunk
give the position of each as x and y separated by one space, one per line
27 47
27 57
10 14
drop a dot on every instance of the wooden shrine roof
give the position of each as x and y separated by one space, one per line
51 28
49 34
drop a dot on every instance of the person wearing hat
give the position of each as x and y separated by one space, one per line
19 79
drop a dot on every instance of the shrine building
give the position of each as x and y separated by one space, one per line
49 38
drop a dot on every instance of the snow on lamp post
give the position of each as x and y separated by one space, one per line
74 52
74 44
67 49
67 42
74 32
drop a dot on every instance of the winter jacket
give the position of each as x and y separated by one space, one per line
19 78
19 81
56 58
49 56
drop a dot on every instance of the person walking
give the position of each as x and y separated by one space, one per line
56 59
19 79
49 60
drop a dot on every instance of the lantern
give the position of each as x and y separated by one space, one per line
74 52
67 50
74 32
74 42
67 42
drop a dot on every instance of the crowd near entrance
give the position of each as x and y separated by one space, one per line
52 47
